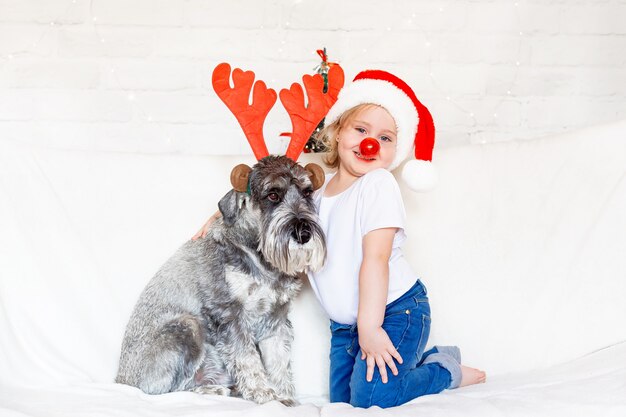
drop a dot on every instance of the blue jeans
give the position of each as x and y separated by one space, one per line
407 323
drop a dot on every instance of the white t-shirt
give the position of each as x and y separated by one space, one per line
372 202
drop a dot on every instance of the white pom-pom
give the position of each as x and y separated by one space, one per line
419 175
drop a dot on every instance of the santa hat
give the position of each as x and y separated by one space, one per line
414 122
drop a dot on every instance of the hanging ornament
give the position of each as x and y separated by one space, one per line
313 144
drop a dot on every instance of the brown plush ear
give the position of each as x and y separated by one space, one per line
239 177
316 174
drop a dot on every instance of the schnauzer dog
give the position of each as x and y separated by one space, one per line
214 318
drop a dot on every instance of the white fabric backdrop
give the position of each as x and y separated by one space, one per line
521 247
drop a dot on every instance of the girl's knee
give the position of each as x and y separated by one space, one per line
375 393
374 400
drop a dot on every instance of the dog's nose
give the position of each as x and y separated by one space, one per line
301 232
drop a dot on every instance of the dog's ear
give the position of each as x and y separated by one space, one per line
230 206
316 173
239 177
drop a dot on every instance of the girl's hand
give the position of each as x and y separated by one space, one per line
205 229
377 350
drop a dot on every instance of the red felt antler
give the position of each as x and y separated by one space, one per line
251 117
305 119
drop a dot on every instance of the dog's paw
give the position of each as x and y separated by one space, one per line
260 395
289 402
212 390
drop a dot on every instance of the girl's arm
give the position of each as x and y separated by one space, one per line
205 228
376 347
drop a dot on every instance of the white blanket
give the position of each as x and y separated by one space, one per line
522 247
591 386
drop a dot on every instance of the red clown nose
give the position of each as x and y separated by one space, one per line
369 147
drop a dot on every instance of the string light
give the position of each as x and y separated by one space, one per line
35 45
386 33
432 76
132 98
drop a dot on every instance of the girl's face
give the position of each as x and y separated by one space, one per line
371 122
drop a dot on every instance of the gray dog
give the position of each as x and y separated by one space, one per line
214 317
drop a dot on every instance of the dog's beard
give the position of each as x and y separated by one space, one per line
310 256
283 252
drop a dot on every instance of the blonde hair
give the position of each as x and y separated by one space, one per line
329 134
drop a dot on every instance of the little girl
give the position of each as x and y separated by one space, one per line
379 310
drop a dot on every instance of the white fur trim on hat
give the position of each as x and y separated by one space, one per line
394 100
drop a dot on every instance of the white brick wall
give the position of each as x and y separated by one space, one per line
134 75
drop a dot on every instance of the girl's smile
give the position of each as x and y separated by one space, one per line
363 158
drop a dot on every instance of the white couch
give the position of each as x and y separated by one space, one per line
522 247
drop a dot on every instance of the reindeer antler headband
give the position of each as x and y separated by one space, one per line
251 116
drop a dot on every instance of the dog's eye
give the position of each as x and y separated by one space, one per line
307 192
273 197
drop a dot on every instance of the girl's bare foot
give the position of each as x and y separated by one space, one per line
471 376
